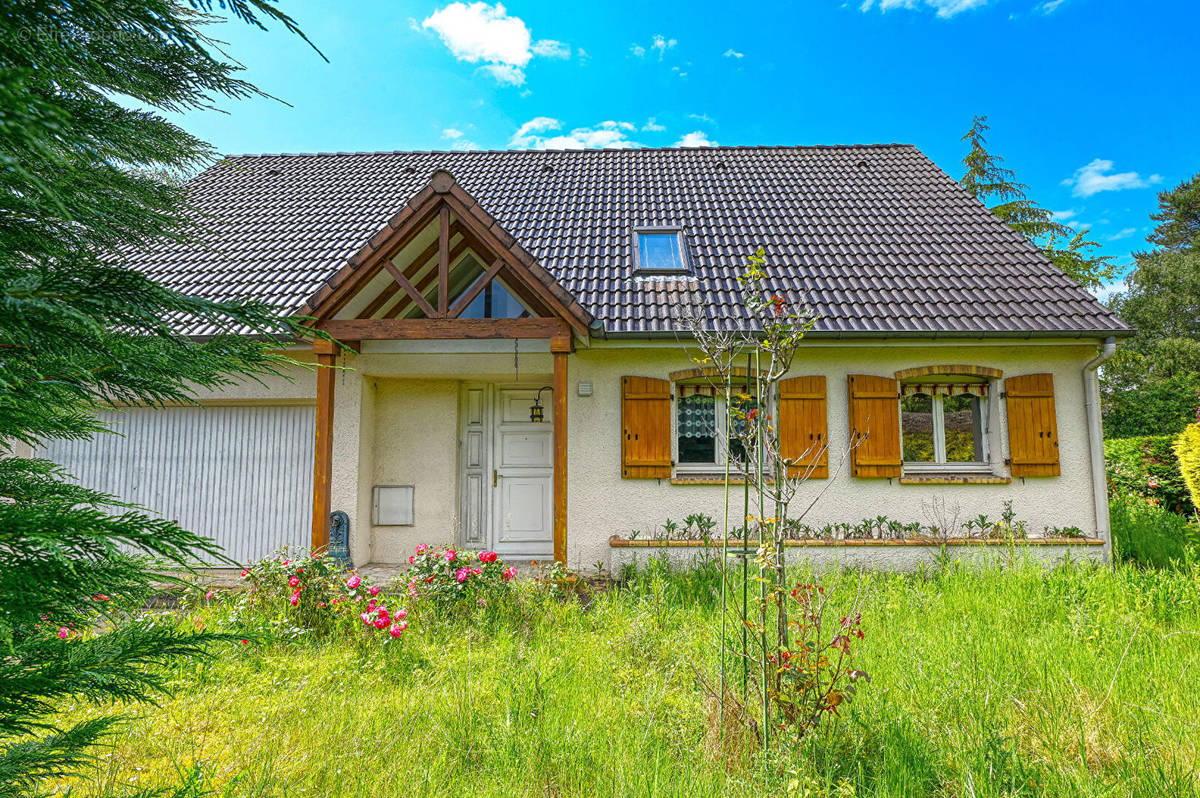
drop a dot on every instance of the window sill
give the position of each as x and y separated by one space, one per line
954 479
707 479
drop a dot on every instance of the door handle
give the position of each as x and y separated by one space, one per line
495 477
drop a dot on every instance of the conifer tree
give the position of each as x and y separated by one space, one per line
989 181
85 178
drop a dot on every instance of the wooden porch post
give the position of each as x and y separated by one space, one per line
560 345
323 451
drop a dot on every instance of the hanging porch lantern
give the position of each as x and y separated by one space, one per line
536 411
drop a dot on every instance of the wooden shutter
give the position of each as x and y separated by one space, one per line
645 428
875 415
1032 427
803 435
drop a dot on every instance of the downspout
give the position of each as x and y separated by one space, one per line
1091 393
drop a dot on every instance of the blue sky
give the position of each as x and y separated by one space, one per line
1092 102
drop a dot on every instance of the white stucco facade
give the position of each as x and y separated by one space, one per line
396 422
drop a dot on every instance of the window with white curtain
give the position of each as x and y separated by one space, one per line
700 417
944 426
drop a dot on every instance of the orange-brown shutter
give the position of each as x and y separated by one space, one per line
645 428
803 436
1032 427
875 416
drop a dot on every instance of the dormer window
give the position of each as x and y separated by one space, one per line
660 250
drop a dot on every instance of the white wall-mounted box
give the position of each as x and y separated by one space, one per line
393 505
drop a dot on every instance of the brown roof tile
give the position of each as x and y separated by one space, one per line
877 237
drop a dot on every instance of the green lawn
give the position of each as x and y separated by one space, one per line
984 682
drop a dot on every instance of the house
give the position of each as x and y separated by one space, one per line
472 292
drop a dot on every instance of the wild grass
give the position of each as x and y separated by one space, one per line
985 682
1146 533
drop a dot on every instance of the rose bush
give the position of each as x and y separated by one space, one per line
450 578
315 593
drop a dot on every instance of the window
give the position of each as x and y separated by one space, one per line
495 302
660 250
700 418
944 427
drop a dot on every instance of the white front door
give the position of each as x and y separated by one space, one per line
523 477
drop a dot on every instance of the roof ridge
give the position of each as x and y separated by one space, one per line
590 151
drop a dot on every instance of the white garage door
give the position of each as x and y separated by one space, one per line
239 475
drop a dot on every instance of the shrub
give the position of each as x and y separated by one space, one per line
1147 466
315 593
452 579
1146 533
1187 450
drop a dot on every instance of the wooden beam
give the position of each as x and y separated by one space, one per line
469 296
410 272
443 261
560 457
425 282
410 289
324 347
366 272
556 306
323 453
416 329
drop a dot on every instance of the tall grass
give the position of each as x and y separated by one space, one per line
985 682
1144 532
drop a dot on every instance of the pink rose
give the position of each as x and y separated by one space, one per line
450 555
286 563
100 597
295 599
63 632
245 573
383 613
366 618
374 590
381 623
412 588
401 615
476 571
487 556
354 581
208 596
396 630
294 581
421 547
371 605
245 642
461 574
509 573
411 559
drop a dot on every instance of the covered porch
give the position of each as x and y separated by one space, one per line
441 401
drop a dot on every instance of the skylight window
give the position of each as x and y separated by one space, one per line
660 250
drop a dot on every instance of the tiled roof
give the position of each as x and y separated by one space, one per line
877 237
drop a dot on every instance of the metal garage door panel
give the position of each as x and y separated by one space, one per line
239 475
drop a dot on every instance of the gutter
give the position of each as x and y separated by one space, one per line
1091 393
597 330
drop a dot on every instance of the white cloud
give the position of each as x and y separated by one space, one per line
1050 6
653 127
662 44
659 44
1062 216
696 138
732 53
1124 233
703 118
458 139
551 48
944 8
505 73
1108 290
1098 176
482 33
606 135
